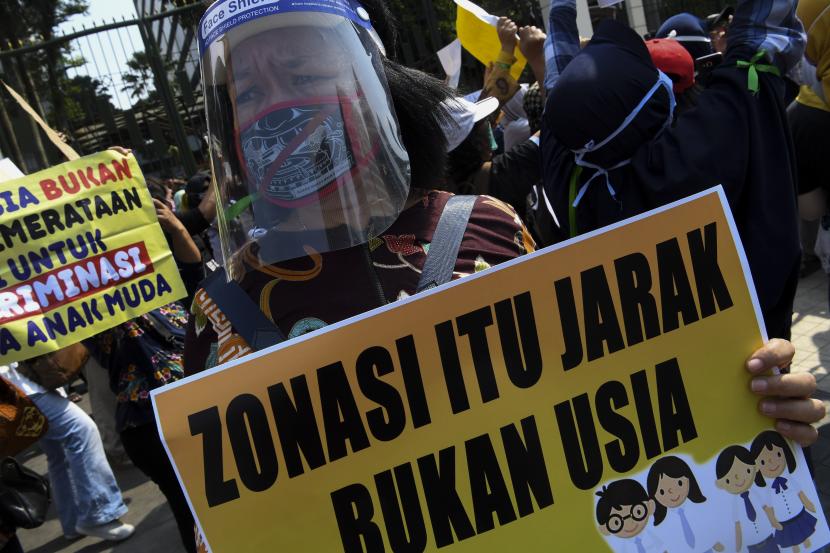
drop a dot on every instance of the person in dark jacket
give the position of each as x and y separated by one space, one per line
612 147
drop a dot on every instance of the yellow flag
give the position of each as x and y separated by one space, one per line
476 30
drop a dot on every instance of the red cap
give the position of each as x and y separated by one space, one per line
674 60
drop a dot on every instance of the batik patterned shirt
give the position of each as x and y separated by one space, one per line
306 294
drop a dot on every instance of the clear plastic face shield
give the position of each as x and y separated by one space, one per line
304 140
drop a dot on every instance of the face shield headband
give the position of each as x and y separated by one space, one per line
295 153
663 81
224 15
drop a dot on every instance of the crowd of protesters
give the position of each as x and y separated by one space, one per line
341 218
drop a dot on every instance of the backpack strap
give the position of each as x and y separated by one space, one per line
245 316
260 332
446 241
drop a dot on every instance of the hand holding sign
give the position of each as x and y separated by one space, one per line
786 397
532 43
508 36
478 35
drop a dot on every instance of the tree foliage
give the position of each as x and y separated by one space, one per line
138 79
83 95
36 21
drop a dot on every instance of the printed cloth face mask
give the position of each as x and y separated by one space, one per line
663 81
298 152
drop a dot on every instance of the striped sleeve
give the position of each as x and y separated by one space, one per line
771 26
562 43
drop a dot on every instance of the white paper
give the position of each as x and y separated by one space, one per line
9 171
450 56
479 12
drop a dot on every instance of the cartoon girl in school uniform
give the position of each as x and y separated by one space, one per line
774 458
675 491
754 520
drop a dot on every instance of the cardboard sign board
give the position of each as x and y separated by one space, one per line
488 414
81 251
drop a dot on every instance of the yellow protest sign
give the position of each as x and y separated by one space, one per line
81 251
476 30
487 414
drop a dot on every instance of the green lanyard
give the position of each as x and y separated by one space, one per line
753 68
577 172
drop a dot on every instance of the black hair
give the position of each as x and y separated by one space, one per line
467 158
727 458
384 23
417 99
673 467
769 438
195 189
616 494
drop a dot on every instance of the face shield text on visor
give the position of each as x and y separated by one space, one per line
306 149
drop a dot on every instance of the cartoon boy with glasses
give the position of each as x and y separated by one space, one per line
623 513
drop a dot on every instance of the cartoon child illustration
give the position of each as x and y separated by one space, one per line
790 504
754 520
623 512
671 483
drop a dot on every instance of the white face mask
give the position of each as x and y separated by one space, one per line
663 81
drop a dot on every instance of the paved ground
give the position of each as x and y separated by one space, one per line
811 335
156 531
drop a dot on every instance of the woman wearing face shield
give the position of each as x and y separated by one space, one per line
327 156
354 234
326 182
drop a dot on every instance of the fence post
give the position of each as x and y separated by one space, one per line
15 154
22 75
432 25
163 88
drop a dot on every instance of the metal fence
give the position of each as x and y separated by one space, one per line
133 83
